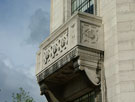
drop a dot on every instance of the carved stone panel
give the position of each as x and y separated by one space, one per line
89 34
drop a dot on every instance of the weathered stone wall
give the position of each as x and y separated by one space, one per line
57 16
60 12
126 49
108 12
67 9
119 33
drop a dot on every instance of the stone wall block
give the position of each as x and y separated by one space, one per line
126 65
127 86
127 97
123 7
127 76
125 45
124 26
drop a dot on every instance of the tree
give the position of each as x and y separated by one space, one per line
22 96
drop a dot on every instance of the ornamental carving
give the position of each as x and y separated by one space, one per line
49 70
55 48
89 34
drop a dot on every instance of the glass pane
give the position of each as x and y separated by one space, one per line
91 2
76 100
83 5
74 5
92 97
78 3
89 97
85 98
85 8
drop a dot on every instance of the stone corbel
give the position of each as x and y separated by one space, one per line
49 95
93 72
93 76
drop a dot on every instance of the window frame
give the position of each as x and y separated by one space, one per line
82 4
88 95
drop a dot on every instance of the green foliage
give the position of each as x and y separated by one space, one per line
22 96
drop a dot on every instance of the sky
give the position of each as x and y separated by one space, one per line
24 24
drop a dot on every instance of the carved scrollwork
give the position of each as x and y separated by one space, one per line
62 43
55 48
46 56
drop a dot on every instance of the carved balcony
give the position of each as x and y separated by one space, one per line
75 47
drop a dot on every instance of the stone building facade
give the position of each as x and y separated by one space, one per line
90 53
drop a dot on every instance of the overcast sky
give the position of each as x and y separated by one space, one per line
24 24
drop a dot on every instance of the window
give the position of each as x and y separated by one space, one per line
83 6
89 97
92 96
